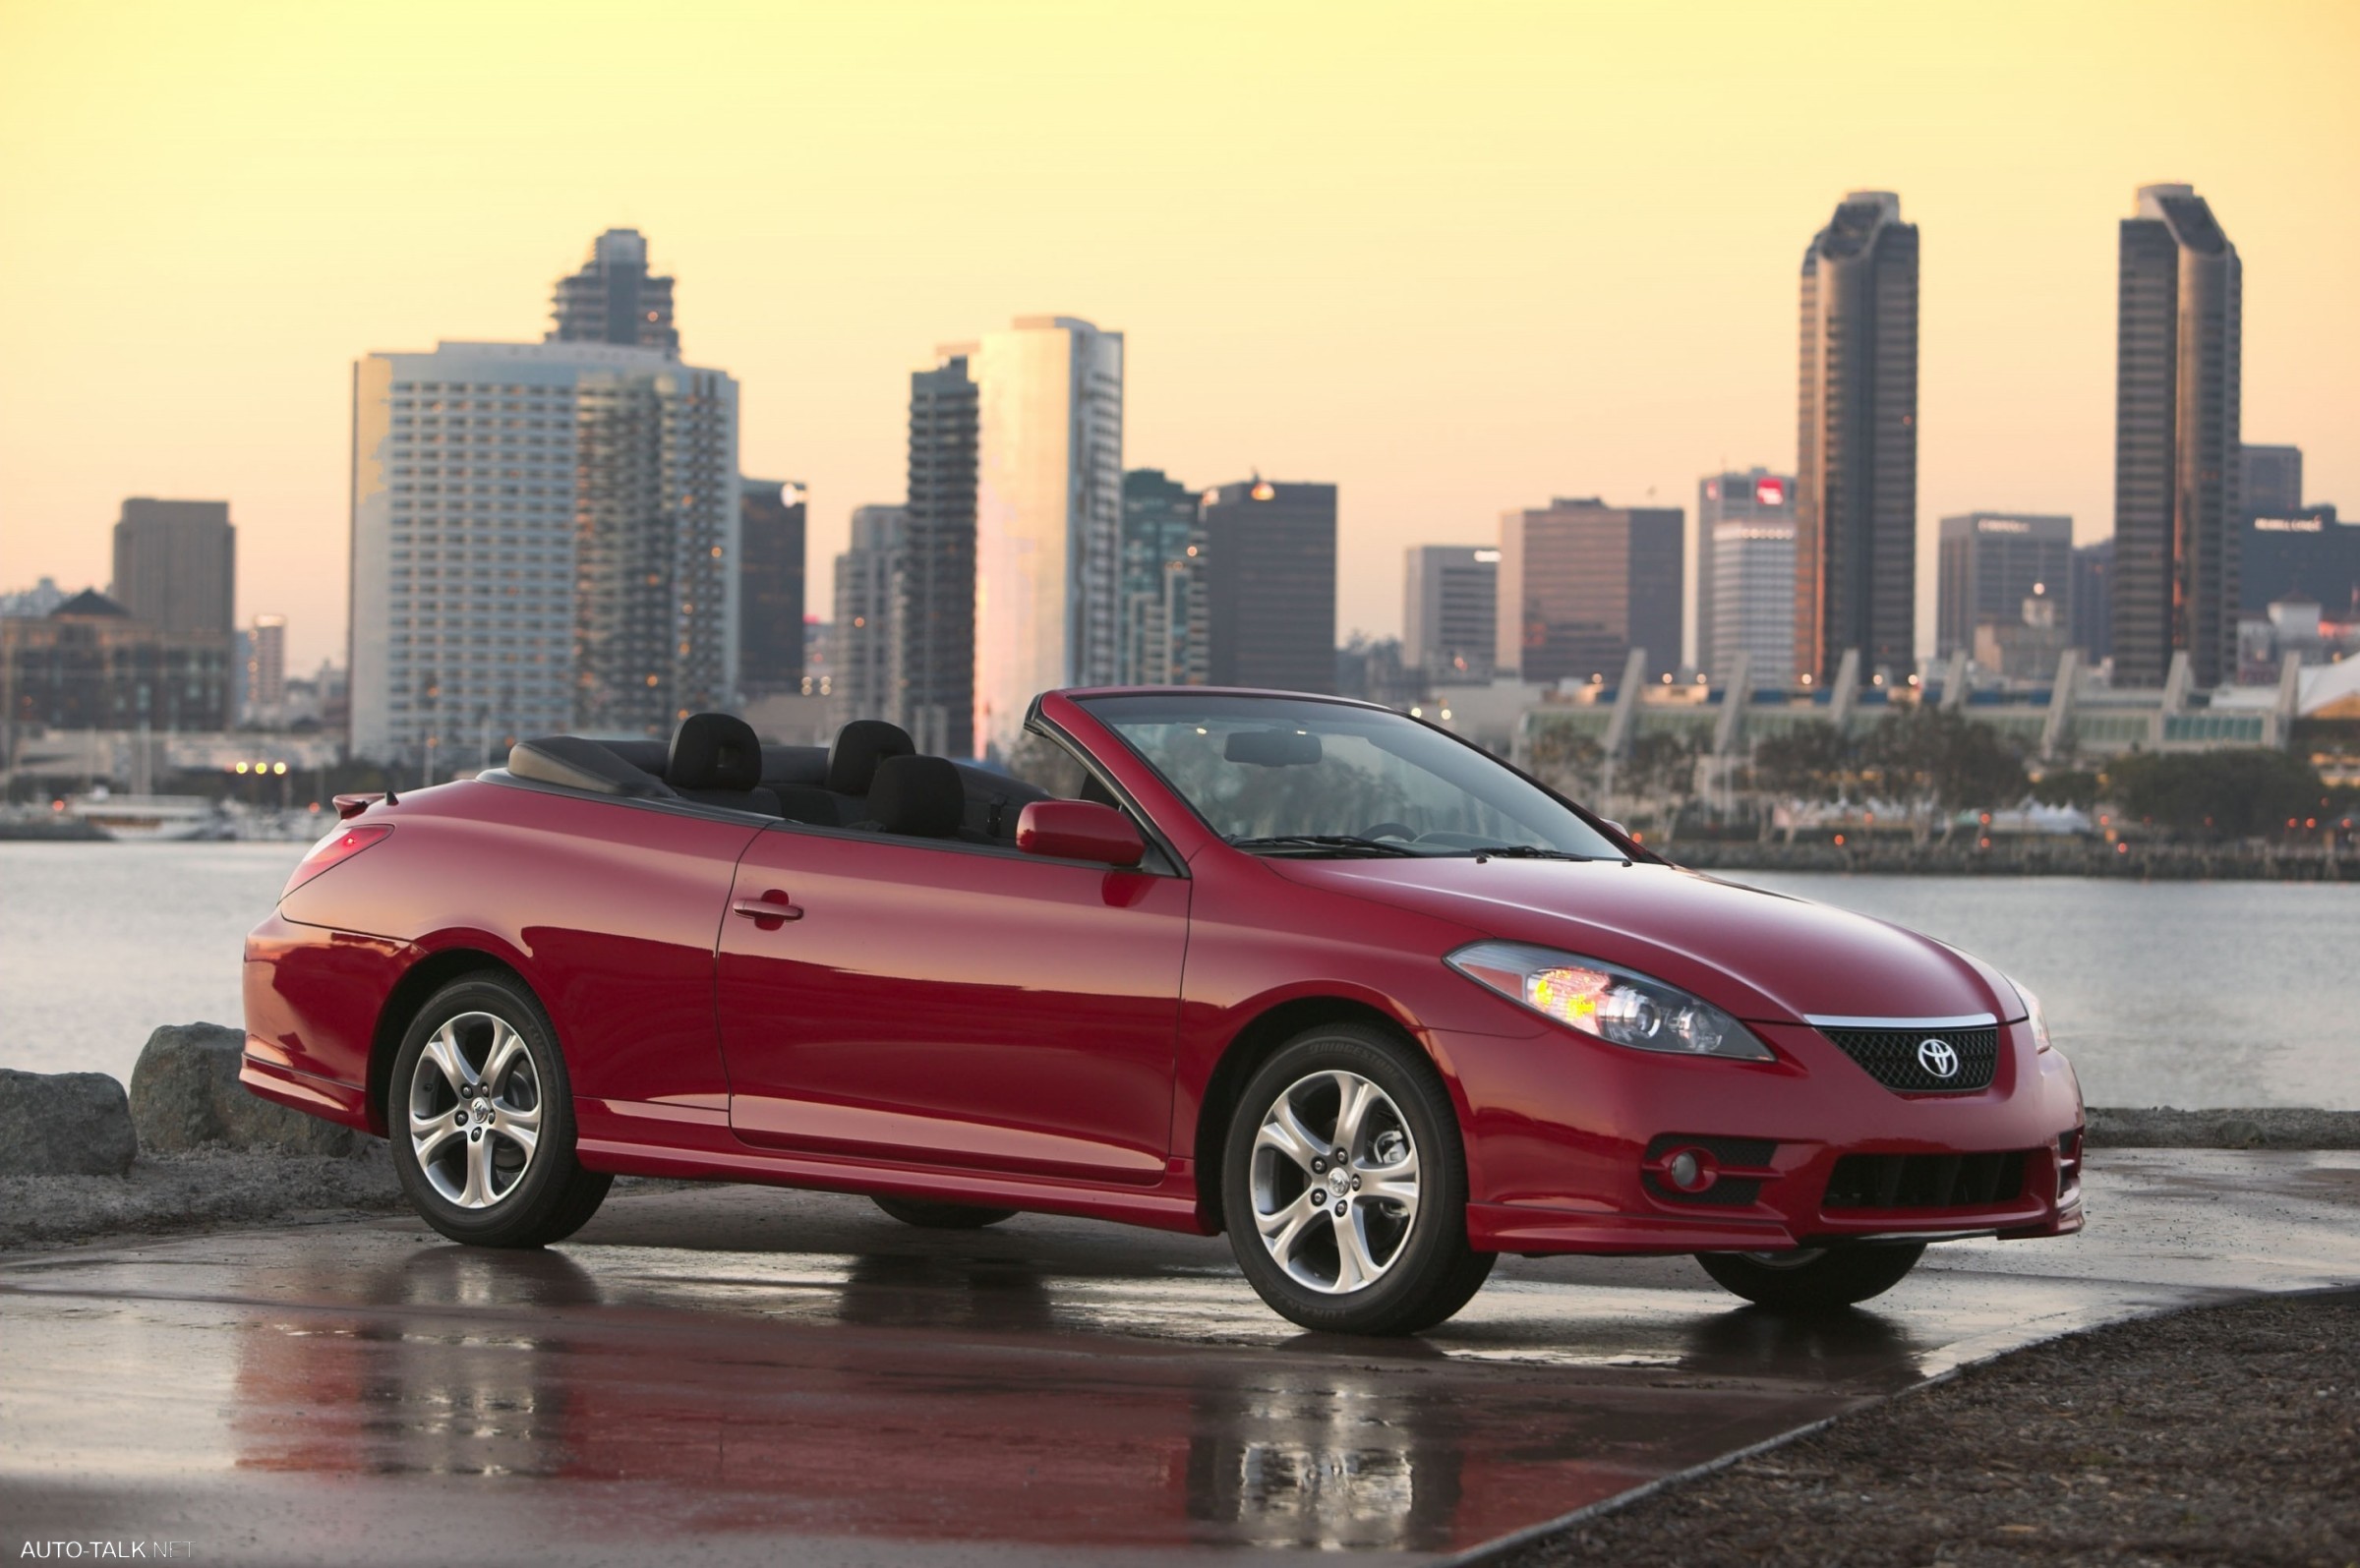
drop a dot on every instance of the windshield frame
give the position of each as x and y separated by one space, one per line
1087 702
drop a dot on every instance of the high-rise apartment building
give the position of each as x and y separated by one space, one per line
1164 626
614 300
1855 481
1048 515
1451 613
1270 585
771 529
862 640
2309 554
932 679
176 567
1989 563
2273 480
1582 583
545 536
266 665
1755 510
2092 599
2178 459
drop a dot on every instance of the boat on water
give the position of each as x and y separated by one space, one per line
152 819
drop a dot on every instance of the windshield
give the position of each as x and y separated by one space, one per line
1284 775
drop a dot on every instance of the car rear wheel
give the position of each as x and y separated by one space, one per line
482 1119
1344 1187
927 1215
1813 1278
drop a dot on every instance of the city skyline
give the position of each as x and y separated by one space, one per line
823 251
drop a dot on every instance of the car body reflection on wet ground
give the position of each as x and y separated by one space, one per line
777 1377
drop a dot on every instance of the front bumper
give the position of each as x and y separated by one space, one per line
1570 1140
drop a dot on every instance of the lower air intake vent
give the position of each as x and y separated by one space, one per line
1925 1181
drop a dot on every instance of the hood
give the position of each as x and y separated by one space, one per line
1764 957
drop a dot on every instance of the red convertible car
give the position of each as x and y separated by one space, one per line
1306 970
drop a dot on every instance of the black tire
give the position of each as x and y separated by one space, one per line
928 1215
1429 1271
548 1195
1813 1280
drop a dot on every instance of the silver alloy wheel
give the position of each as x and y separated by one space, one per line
475 1110
1334 1182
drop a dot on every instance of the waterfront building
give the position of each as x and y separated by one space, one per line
1270 585
1165 625
545 537
2273 480
1451 613
2028 645
2309 555
2092 599
1582 583
615 300
932 676
1989 563
860 640
1855 481
2178 459
264 691
1746 575
176 567
772 517
1048 515
88 664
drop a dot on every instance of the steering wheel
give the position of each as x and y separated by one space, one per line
1388 829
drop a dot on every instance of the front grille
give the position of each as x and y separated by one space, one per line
1925 1181
1892 1057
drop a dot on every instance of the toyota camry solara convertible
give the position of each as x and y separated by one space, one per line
1304 970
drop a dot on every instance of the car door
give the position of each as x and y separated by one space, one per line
935 1001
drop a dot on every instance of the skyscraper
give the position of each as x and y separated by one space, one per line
544 535
614 300
2274 481
1048 515
1757 508
266 665
1450 611
1989 563
932 674
1582 583
2092 599
861 642
1164 626
1270 585
1855 481
2179 465
176 567
770 587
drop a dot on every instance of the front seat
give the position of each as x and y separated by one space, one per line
717 759
839 798
920 797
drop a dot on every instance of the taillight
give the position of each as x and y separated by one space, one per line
333 851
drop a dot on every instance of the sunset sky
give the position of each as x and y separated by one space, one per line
1453 257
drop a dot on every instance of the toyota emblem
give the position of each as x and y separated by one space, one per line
1937 1058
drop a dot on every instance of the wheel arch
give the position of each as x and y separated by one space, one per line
418 982
1253 1044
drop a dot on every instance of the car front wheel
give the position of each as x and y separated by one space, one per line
1345 1187
480 1118
1813 1278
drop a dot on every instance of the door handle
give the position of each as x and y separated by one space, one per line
769 911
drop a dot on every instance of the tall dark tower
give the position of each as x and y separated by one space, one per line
932 661
2179 465
614 300
1855 479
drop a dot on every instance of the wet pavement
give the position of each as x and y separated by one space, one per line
719 1375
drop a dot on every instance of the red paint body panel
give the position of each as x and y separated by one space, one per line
937 1020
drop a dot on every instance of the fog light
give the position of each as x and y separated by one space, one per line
1685 1171
1690 1170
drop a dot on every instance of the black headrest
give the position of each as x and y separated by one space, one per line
918 795
714 751
860 746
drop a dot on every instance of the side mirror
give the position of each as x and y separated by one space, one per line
1079 830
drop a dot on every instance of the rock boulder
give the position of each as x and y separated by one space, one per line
185 1094
64 1124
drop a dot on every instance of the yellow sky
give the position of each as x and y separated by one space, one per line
1455 258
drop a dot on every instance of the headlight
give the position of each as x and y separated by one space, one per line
1611 1003
2034 1016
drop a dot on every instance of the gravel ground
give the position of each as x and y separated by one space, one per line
2275 1128
2223 1434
